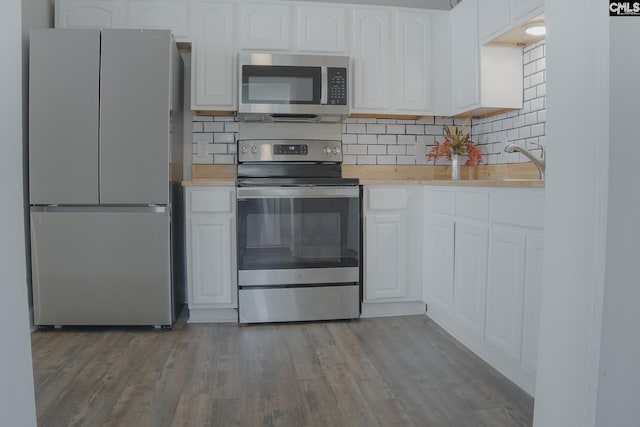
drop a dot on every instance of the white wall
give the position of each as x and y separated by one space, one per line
619 374
576 207
17 403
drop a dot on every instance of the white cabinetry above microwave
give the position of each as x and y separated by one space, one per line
400 61
404 61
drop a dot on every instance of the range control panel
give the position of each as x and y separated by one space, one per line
312 150
291 149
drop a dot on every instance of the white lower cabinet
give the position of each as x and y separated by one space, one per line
483 272
392 250
211 254
470 278
505 290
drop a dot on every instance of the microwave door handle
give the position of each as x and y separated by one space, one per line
324 86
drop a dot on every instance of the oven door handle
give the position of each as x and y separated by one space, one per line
297 192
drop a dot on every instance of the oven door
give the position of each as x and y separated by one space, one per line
291 236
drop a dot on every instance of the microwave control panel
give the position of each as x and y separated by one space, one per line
337 94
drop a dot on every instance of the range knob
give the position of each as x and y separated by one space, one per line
327 150
335 150
244 149
254 149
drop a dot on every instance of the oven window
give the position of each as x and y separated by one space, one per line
280 85
283 233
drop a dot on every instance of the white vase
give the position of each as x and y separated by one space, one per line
455 168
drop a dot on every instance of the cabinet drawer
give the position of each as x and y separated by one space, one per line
211 201
525 210
387 198
474 205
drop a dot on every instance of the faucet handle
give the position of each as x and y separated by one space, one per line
542 149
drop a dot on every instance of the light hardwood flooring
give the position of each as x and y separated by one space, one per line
401 371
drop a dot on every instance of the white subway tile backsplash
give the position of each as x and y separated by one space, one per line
214 127
224 159
387 139
537 130
349 138
405 160
366 160
406 139
202 119
355 149
202 137
386 160
375 128
396 129
377 149
348 159
397 150
225 138
356 128
196 126
415 129
367 139
231 127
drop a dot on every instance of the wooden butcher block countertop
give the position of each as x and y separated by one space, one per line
505 175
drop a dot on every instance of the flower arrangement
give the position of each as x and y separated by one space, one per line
456 141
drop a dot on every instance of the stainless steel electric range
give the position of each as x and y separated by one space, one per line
299 245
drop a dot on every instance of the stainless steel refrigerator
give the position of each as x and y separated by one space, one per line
105 163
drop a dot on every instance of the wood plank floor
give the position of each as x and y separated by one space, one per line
401 371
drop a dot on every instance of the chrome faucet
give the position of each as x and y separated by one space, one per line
539 162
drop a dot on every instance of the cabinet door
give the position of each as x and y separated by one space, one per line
370 53
265 26
465 52
493 16
413 63
533 287
385 257
87 13
505 291
211 279
439 289
213 76
174 15
521 9
470 276
322 29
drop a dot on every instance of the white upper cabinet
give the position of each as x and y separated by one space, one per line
322 29
88 13
371 60
413 62
400 61
174 15
265 26
465 52
499 16
213 67
493 16
486 79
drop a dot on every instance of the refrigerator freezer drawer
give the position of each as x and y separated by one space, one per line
101 267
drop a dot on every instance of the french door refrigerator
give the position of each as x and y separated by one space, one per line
105 163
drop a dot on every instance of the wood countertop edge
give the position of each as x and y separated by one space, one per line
517 175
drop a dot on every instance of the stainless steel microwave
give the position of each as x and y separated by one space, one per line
275 86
